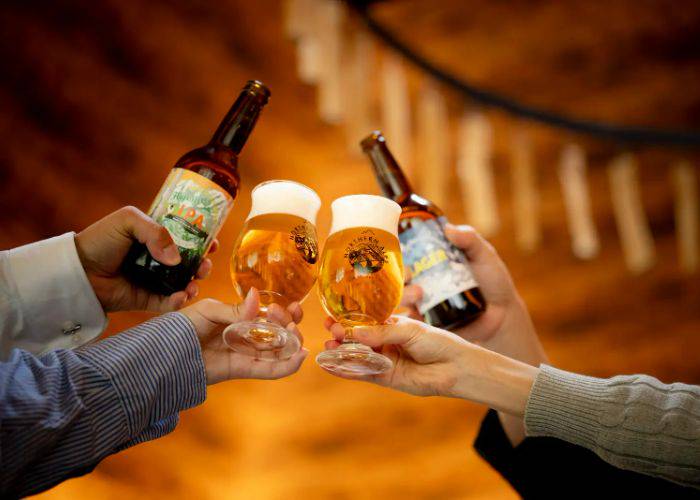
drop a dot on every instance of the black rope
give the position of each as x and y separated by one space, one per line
627 134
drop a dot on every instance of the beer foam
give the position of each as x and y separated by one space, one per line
365 210
285 197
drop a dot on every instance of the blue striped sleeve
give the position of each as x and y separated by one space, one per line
62 413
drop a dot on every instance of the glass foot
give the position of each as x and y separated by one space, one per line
354 359
261 340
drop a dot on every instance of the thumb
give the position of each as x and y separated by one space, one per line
225 314
136 225
398 331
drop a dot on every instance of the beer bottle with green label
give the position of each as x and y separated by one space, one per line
197 196
451 295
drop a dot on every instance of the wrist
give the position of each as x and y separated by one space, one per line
497 381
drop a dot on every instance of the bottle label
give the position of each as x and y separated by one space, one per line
192 208
440 268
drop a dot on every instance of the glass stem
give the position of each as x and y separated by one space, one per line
349 339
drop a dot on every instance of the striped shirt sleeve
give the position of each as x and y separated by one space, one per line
64 412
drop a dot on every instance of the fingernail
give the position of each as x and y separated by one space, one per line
291 326
249 294
294 306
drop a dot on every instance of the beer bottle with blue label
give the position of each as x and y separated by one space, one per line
197 196
451 295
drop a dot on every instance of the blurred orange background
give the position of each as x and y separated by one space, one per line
99 99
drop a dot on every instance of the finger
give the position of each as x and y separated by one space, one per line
412 294
192 290
159 303
225 314
289 366
296 311
475 247
338 332
328 323
293 328
138 226
204 269
330 344
278 314
401 331
214 246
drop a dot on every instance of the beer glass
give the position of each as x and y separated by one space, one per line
277 253
361 277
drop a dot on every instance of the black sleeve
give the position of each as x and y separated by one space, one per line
542 467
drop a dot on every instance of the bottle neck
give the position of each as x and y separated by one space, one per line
235 128
391 179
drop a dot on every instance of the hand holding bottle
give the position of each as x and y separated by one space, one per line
505 327
103 246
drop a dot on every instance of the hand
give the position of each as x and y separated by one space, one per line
505 326
103 246
210 317
428 361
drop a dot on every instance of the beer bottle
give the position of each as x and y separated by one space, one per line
197 196
451 296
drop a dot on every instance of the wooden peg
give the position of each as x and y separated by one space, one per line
526 200
433 147
687 211
305 27
330 40
476 172
632 225
577 202
396 110
293 18
358 110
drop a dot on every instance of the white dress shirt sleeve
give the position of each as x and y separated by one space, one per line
46 301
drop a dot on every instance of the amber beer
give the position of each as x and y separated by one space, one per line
451 296
197 196
361 277
278 255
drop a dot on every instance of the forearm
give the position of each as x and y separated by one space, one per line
495 380
518 340
64 412
633 422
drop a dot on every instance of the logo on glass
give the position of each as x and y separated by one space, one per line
365 254
305 242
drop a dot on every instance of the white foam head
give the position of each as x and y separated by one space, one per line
285 197
365 210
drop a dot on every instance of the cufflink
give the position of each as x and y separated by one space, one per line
70 328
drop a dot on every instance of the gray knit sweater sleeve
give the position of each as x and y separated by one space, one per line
633 422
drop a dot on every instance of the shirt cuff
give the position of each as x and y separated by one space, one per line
156 368
565 405
59 309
